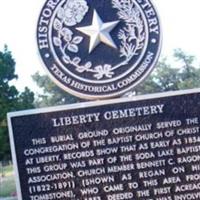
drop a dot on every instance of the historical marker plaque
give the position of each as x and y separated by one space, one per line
98 49
144 148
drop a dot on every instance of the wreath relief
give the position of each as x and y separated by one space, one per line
132 36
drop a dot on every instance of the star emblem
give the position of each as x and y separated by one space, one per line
99 32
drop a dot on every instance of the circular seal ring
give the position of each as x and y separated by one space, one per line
97 49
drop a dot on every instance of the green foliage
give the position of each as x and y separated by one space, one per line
26 99
10 99
7 70
52 94
182 75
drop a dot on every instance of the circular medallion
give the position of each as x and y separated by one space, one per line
98 49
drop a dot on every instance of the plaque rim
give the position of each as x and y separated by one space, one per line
101 102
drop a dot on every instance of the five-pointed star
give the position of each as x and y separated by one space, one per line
99 32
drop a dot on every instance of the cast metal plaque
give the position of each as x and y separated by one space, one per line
142 148
98 49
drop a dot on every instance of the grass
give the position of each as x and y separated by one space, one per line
7 187
8 170
7 183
